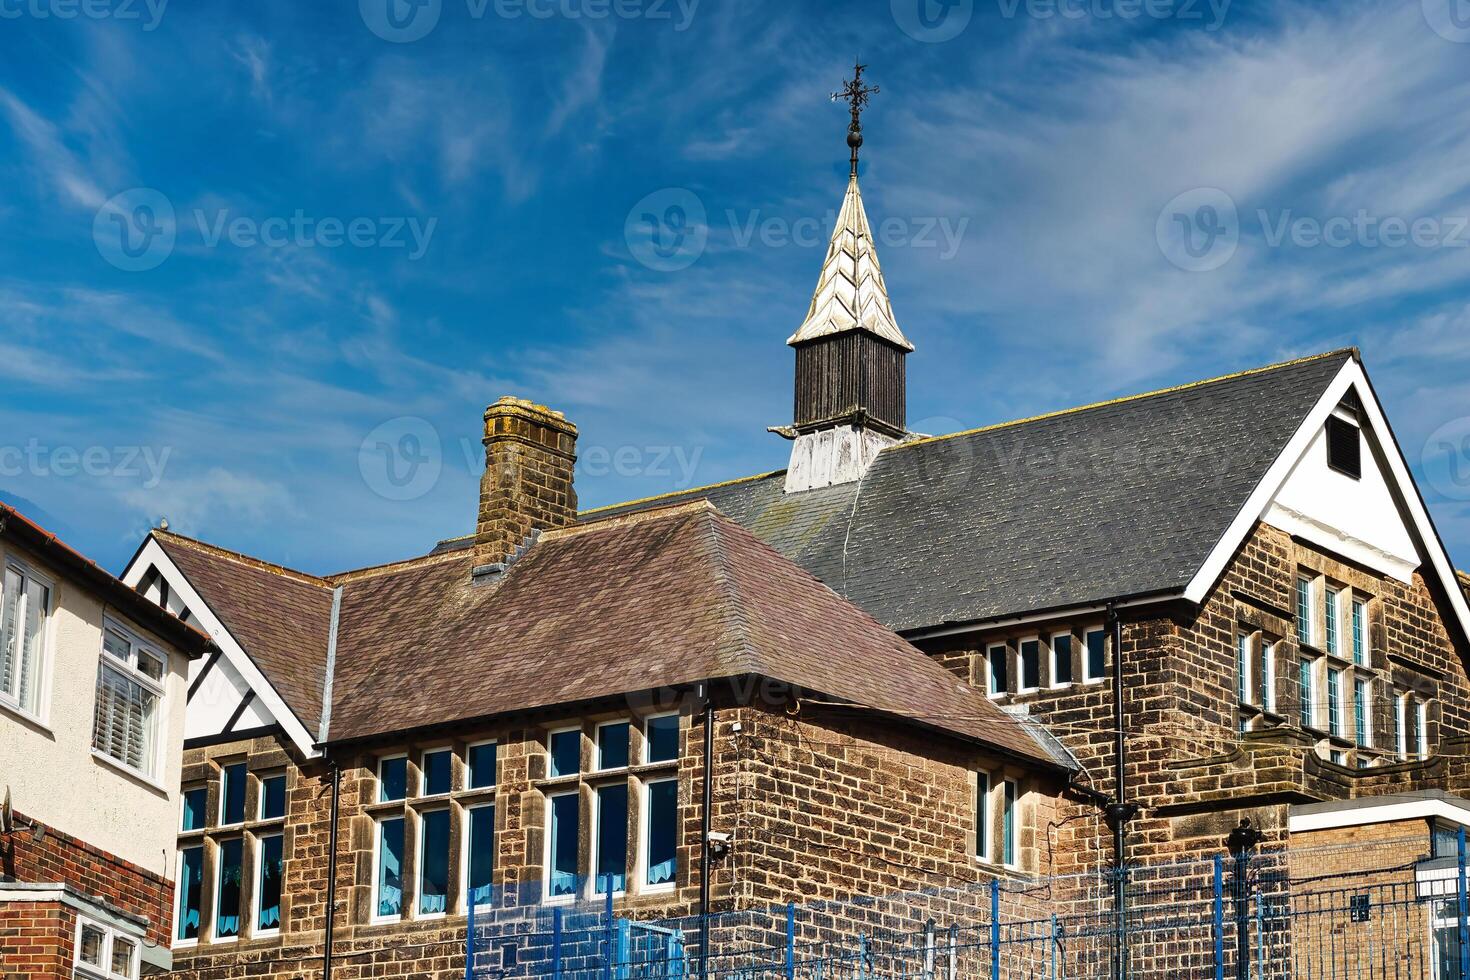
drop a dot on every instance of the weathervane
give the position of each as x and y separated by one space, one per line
855 93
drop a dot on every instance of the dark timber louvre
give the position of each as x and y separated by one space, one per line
850 376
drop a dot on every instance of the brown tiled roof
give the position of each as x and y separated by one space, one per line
279 616
661 598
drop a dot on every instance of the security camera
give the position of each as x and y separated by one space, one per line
719 845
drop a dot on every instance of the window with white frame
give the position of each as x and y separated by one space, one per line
388 870
984 846
998 818
433 863
1255 678
1028 665
129 699
633 775
1334 626
242 837
1095 663
997 676
1009 816
1061 660
104 953
25 609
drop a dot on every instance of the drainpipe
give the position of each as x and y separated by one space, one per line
1119 811
704 848
332 872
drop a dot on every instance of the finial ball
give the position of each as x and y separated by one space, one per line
854 138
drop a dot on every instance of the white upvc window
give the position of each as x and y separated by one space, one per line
1028 664
25 609
1400 726
104 953
1422 727
1094 661
1061 660
130 678
996 680
984 843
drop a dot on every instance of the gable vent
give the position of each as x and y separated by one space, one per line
1344 447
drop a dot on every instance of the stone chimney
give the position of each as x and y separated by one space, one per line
527 487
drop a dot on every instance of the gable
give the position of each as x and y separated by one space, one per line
1358 518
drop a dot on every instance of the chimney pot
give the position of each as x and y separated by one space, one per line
529 450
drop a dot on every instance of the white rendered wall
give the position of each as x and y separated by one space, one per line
49 767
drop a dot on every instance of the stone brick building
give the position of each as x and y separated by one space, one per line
1111 633
92 704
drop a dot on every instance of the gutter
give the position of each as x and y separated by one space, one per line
1022 619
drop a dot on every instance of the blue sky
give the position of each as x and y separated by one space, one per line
237 367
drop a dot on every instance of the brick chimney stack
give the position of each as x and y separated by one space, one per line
530 452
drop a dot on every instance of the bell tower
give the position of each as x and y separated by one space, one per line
850 398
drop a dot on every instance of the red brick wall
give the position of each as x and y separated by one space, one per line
59 858
36 940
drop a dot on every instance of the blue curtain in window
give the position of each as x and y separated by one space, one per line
390 867
612 836
227 919
269 916
482 855
434 863
191 878
663 804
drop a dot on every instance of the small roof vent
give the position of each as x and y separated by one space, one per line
1344 447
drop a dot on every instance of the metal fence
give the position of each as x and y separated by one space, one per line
1386 909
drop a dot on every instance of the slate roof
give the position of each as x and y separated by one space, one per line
663 598
280 617
1117 500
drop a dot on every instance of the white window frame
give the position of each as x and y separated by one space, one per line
550 737
423 784
1021 687
1401 726
1309 636
596 837
1364 738
219 865
408 787
184 802
1244 659
1268 675
260 779
995 650
1356 602
418 875
469 772
645 837
546 869
129 671
41 669
646 753
1332 596
1422 707
203 848
597 766
984 829
110 935
1087 675
1051 647
1015 820
377 880
219 818
255 893
466 845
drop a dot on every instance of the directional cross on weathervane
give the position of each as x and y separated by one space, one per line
856 94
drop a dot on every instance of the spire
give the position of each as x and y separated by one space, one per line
850 292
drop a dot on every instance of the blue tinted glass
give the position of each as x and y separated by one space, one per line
191 879
436 771
482 854
195 802
227 906
612 746
482 765
663 812
1031 663
392 780
663 738
390 868
1096 650
232 794
269 902
612 836
564 830
434 863
566 753
1061 647
272 797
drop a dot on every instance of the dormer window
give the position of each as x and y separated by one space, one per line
1344 447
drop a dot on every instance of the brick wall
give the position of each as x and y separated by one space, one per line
63 859
36 940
